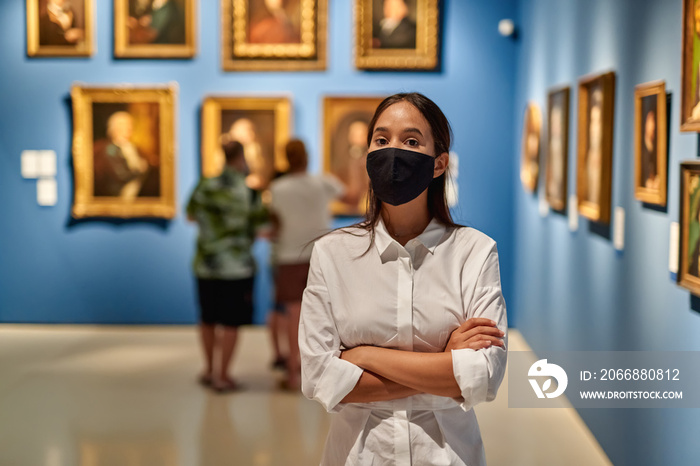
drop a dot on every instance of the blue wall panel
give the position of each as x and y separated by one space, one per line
573 290
138 272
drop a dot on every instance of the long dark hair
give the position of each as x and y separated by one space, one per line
442 137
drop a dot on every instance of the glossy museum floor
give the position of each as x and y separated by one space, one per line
126 396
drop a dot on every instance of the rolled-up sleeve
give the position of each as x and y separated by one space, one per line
324 376
479 373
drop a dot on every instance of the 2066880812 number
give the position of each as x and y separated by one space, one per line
640 374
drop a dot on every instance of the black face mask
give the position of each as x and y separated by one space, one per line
399 176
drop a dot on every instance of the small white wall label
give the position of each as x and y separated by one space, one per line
30 164
573 212
543 205
673 247
619 229
46 191
41 165
46 163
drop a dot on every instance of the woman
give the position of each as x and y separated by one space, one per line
299 203
403 320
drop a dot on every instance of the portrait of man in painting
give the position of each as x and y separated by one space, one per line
690 67
693 223
61 22
557 149
594 145
689 260
126 150
156 22
348 142
695 87
530 158
394 24
345 125
596 110
649 170
274 22
650 143
255 130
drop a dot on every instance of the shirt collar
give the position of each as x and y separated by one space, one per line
430 237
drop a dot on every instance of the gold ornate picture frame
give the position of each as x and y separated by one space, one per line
262 124
650 143
345 125
688 275
124 150
155 29
690 67
530 147
290 38
60 31
596 110
557 164
403 35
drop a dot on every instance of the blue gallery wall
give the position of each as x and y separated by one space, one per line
573 290
139 272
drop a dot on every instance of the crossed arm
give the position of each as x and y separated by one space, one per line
392 374
368 374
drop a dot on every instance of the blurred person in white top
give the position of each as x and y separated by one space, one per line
403 321
300 210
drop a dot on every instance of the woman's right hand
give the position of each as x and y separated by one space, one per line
476 333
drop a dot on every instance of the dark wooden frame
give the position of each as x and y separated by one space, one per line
423 57
683 278
687 97
237 54
565 92
644 194
600 211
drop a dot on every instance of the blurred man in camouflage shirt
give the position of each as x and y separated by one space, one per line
228 214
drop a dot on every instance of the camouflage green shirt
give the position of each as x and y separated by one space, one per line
228 214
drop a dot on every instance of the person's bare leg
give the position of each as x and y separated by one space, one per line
207 335
229 336
293 361
277 323
282 335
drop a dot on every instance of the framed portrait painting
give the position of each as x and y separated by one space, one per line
530 150
155 28
650 144
262 125
345 125
60 28
557 165
596 109
689 262
124 151
274 35
396 34
690 67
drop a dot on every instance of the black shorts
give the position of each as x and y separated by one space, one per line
226 302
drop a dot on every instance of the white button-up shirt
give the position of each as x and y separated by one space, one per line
409 298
